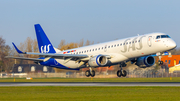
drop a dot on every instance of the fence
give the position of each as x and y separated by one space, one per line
109 74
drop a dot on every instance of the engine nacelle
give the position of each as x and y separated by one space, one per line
145 61
98 60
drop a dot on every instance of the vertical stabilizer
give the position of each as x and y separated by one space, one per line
44 44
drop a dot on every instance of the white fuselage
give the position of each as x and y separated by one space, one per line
123 49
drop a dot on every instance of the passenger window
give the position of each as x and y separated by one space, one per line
102 47
93 49
126 43
99 48
129 42
117 44
114 45
121 44
108 46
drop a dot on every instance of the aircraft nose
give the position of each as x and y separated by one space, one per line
172 44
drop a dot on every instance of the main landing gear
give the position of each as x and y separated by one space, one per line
122 72
90 72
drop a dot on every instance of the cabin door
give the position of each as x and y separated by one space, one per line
149 41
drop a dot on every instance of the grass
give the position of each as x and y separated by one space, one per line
61 93
167 79
53 93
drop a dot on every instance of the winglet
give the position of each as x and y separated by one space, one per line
20 52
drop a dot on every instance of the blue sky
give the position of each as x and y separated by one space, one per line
95 20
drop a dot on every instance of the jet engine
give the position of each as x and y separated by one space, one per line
145 61
98 60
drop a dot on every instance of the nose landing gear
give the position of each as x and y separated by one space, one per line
160 62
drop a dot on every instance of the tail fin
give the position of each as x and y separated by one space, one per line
44 44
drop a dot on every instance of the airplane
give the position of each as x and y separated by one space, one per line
138 49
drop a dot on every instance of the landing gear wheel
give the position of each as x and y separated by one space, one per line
92 73
160 62
87 73
124 73
119 73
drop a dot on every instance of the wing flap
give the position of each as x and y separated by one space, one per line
23 58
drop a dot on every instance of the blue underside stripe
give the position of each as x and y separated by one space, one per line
53 63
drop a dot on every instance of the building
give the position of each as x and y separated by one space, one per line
171 60
175 68
28 68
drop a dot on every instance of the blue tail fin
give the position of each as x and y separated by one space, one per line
44 44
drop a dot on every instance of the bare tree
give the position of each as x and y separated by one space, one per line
92 43
69 46
62 43
175 51
35 46
87 43
4 51
28 44
81 43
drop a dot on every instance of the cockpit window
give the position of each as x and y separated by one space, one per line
165 36
162 36
158 37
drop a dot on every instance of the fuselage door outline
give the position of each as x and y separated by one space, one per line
149 41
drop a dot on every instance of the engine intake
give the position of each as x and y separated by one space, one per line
145 61
98 60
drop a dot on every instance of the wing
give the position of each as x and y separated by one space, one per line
77 56
82 58
58 55
23 58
